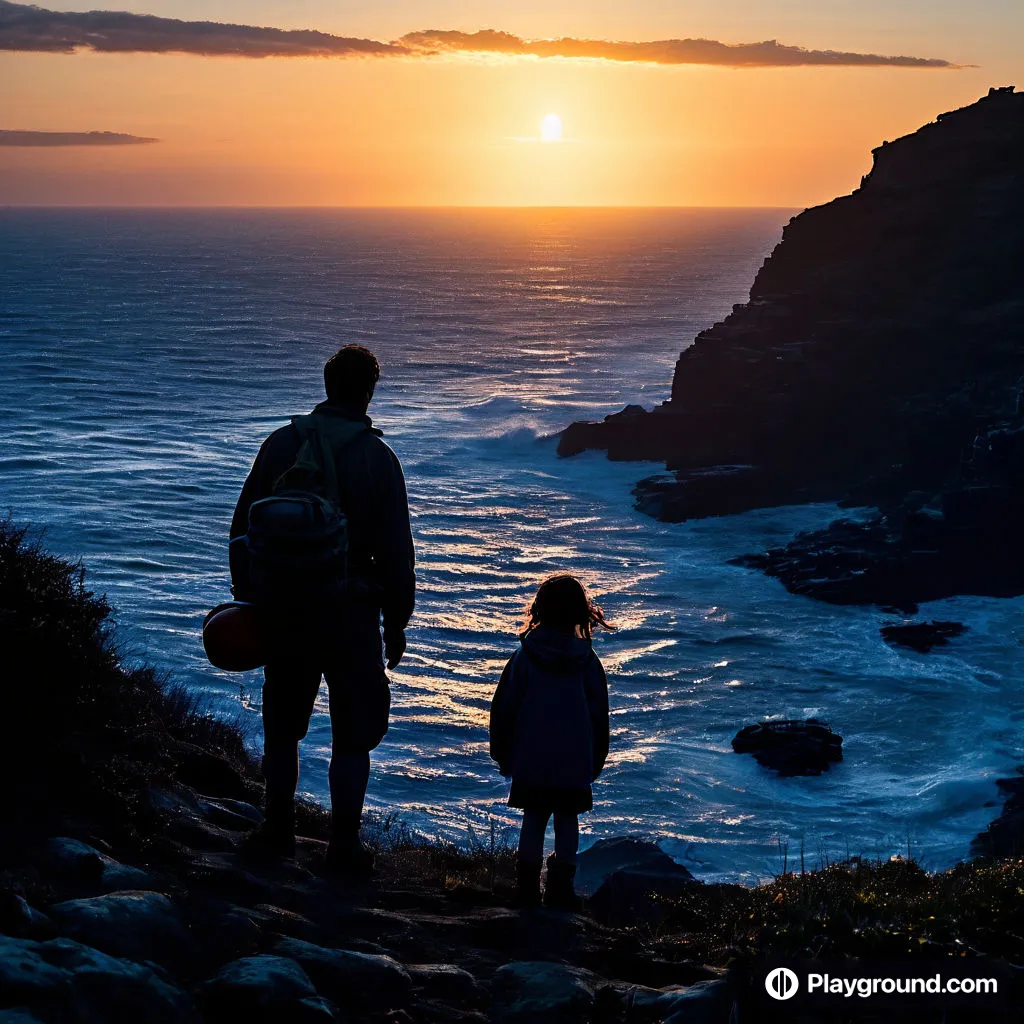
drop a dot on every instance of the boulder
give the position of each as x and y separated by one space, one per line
19 919
231 814
74 861
109 989
361 979
922 636
707 1002
137 925
64 980
537 992
262 990
641 895
791 746
598 862
25 974
447 983
230 935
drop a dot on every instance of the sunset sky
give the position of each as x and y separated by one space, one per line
403 119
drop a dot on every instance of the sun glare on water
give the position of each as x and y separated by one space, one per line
551 128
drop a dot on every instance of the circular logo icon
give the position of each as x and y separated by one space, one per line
782 983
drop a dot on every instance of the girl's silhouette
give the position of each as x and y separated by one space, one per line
549 732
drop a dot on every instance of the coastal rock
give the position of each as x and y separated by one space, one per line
25 974
922 636
231 935
447 983
883 329
350 979
641 894
546 993
135 925
75 861
706 1002
791 746
1004 837
236 815
971 544
601 860
20 920
262 990
65 980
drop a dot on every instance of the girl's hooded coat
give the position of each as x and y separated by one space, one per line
549 716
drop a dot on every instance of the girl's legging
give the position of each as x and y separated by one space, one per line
531 836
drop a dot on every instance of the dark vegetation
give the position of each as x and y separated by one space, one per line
83 735
84 738
873 909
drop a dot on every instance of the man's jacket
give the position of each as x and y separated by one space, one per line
373 498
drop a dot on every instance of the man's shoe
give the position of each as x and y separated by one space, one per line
269 842
559 893
348 858
528 883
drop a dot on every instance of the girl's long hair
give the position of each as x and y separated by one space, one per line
562 602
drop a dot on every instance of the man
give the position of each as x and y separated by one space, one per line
341 642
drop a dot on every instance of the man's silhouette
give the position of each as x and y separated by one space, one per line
339 640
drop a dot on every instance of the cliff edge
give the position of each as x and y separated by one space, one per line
882 335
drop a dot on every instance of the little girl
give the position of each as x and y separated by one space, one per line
549 732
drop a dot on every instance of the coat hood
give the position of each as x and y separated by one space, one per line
556 649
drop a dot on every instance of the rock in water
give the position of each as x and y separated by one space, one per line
922 636
791 746
881 331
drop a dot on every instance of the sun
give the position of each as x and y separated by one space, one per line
551 128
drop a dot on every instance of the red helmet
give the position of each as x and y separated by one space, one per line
233 638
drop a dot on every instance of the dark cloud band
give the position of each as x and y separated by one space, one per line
33 28
19 138
665 51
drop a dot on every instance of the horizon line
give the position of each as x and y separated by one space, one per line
400 206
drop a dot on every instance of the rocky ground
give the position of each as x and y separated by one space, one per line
126 893
207 935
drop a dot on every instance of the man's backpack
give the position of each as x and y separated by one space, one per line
297 540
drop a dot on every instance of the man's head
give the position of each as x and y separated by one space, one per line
350 376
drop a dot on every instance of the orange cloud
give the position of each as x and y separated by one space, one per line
665 51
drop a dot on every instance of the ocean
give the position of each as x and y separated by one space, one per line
146 353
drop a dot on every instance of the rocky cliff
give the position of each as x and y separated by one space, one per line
882 334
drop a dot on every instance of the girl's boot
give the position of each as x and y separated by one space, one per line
559 893
528 882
